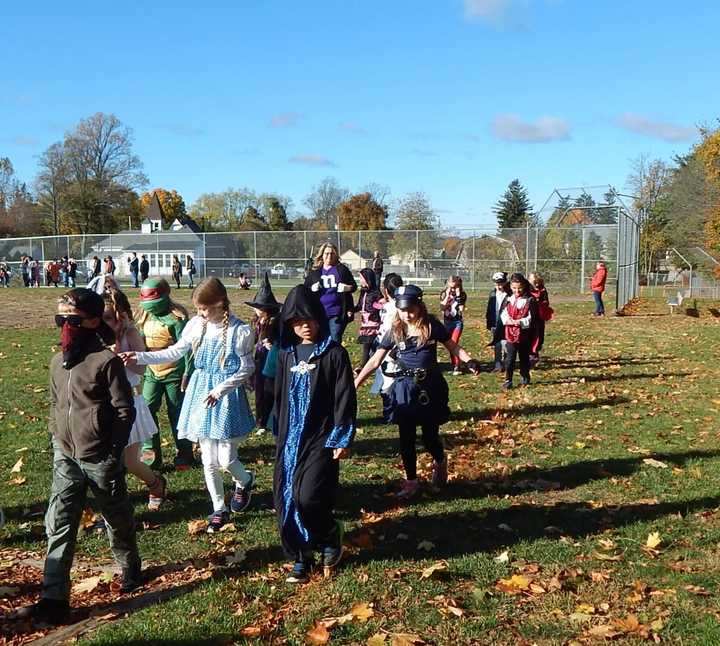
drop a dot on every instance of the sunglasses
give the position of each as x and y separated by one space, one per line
71 319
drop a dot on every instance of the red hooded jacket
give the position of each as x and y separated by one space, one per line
597 283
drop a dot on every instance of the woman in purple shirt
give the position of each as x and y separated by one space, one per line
334 282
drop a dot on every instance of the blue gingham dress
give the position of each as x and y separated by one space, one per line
231 416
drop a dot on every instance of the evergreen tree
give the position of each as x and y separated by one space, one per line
252 220
513 209
277 216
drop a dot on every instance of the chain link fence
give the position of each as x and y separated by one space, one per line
565 256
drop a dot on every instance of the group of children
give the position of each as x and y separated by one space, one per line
304 392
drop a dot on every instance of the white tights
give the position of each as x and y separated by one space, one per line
220 455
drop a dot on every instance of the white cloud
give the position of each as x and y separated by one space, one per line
311 160
351 126
285 120
510 127
656 129
486 9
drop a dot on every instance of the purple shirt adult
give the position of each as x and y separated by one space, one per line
330 298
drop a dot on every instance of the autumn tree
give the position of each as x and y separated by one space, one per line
19 215
324 201
362 213
100 176
416 224
50 184
172 203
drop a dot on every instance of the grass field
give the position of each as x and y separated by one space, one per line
581 509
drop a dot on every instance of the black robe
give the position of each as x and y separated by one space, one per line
306 475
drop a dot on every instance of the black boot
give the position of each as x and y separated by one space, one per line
45 611
131 578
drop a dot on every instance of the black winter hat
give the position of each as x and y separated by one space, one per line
301 303
264 298
407 296
87 301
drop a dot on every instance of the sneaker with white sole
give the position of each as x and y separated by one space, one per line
301 571
217 521
240 500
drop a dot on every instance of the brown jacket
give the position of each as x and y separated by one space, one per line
92 405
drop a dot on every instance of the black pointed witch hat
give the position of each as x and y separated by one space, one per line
264 298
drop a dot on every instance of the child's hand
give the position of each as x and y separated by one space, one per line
211 400
184 383
266 344
128 358
341 454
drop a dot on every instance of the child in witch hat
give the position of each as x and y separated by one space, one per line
316 410
266 324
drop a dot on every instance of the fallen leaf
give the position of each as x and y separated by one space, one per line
228 527
514 585
696 589
653 540
504 557
318 635
607 557
655 463
196 527
251 631
378 639
87 585
606 631
17 467
435 567
362 611
426 546
405 639
20 480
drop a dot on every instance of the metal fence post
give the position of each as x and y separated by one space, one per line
360 244
204 264
535 256
474 271
255 254
527 247
417 251
582 261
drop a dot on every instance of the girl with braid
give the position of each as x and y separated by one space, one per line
119 318
215 411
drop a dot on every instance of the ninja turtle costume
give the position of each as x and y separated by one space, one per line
162 329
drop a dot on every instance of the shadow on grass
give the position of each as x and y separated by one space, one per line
456 534
626 377
377 498
554 363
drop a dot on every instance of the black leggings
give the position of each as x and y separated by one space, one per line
513 350
408 452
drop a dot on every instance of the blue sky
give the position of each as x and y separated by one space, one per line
451 97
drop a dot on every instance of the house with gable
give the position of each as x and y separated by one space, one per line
182 239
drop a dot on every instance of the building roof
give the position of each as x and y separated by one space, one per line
154 210
180 240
